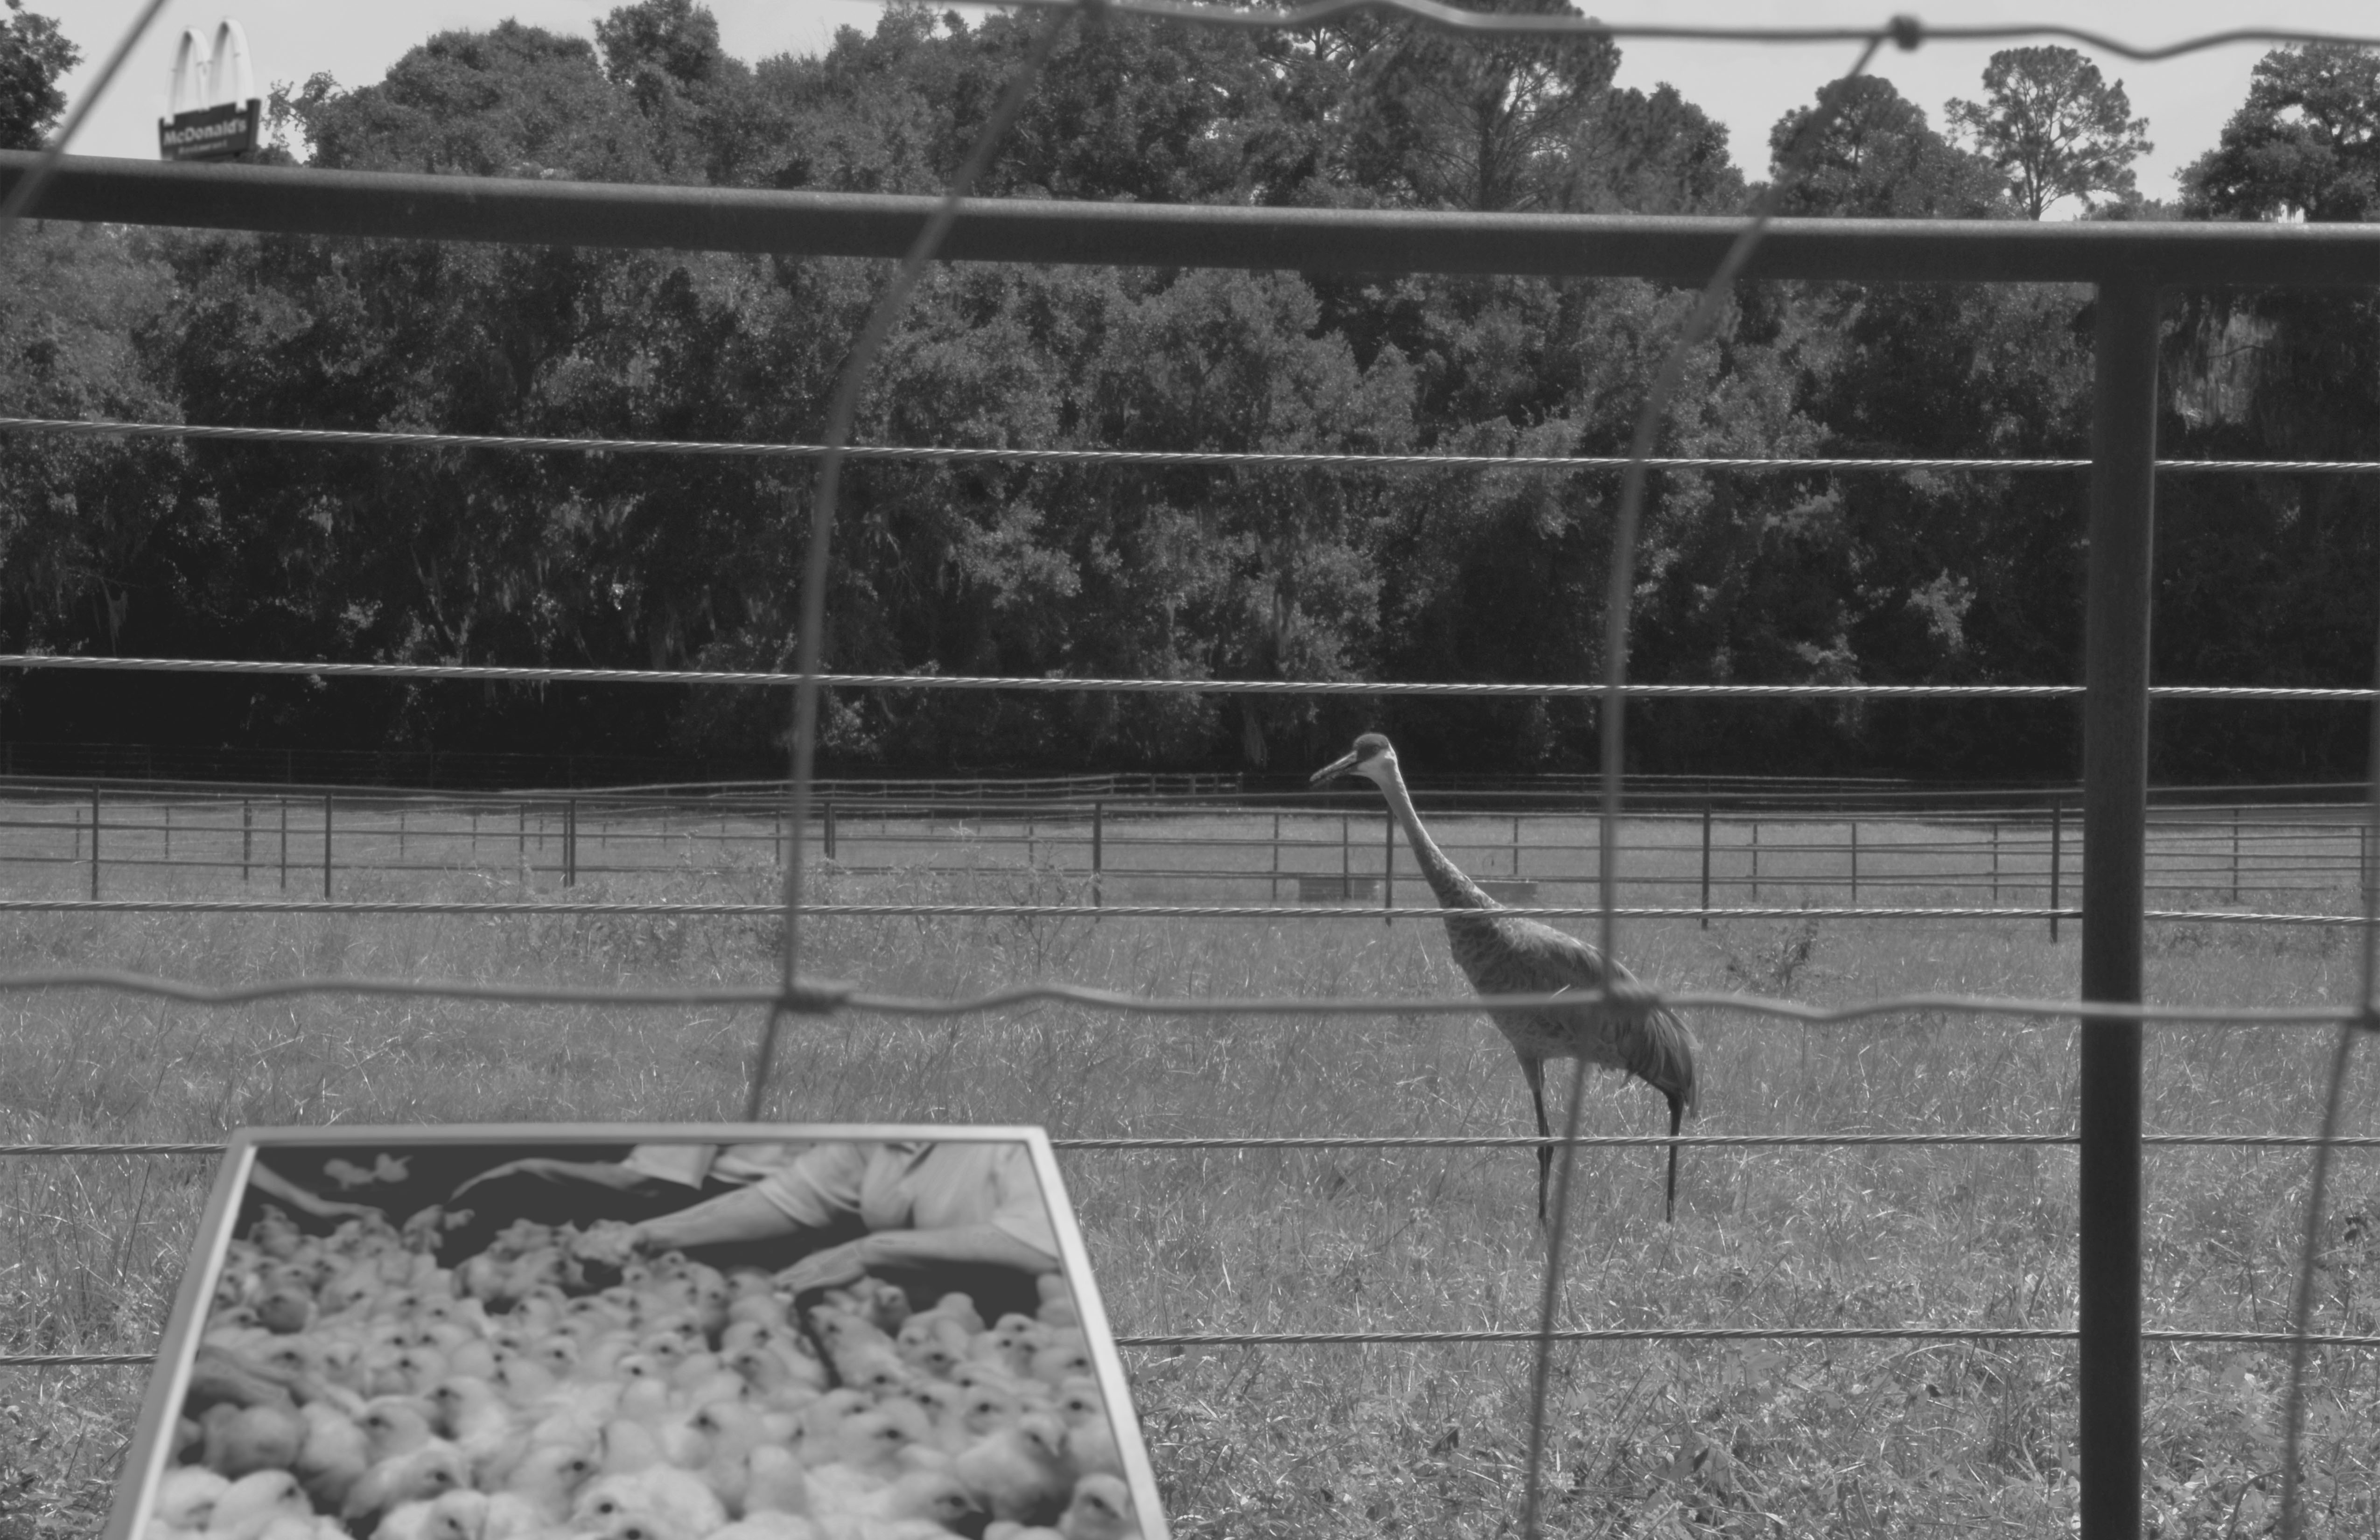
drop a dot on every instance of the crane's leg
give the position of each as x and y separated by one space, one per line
1534 1071
1677 1116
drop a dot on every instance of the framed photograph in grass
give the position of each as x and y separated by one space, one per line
638 1332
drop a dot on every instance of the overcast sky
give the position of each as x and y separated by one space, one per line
2186 100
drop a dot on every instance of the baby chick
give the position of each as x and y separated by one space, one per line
250 1504
933 1496
1019 1471
242 1440
769 1526
185 1501
471 1413
1090 1437
1101 1510
334 1456
458 1515
1056 1362
393 1425
676 1501
775 1482
427 1472
546 1480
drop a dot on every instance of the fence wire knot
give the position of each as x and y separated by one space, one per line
811 997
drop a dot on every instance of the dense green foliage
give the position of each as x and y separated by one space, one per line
204 549
33 54
2054 128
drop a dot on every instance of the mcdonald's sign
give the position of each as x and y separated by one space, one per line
217 113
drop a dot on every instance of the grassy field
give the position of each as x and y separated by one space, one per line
1737 1438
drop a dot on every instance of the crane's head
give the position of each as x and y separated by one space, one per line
1372 758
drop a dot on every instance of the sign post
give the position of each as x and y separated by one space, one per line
216 111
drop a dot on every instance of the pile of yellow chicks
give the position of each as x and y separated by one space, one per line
352 1388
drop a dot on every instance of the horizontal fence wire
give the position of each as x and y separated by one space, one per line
495 673
1520 1337
945 454
1906 33
1720 1334
819 997
1122 910
1485 1140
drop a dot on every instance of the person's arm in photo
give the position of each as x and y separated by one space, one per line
602 1173
1014 1232
974 1243
814 1192
265 1180
745 1214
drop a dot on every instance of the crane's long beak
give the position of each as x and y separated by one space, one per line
1334 769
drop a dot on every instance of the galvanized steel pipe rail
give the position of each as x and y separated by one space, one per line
296 200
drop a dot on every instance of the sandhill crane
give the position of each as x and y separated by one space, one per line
1505 954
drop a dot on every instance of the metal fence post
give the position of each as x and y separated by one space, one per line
95 840
1855 863
1707 826
829 836
570 843
1275 892
2056 863
1756 860
284 844
1098 848
1346 864
1388 866
247 835
2115 814
2235 853
327 844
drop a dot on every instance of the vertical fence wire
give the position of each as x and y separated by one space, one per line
2292 1522
29 187
1619 590
840 417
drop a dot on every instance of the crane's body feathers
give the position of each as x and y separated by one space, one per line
1507 955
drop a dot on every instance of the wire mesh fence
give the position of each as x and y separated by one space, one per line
128 845
2241 853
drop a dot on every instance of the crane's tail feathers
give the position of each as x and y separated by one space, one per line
1672 1054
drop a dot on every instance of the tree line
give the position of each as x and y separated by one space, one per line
205 549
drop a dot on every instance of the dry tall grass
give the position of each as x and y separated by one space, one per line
1877 1438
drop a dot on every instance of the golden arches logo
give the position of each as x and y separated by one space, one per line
216 114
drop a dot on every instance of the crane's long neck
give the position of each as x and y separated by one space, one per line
1455 890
